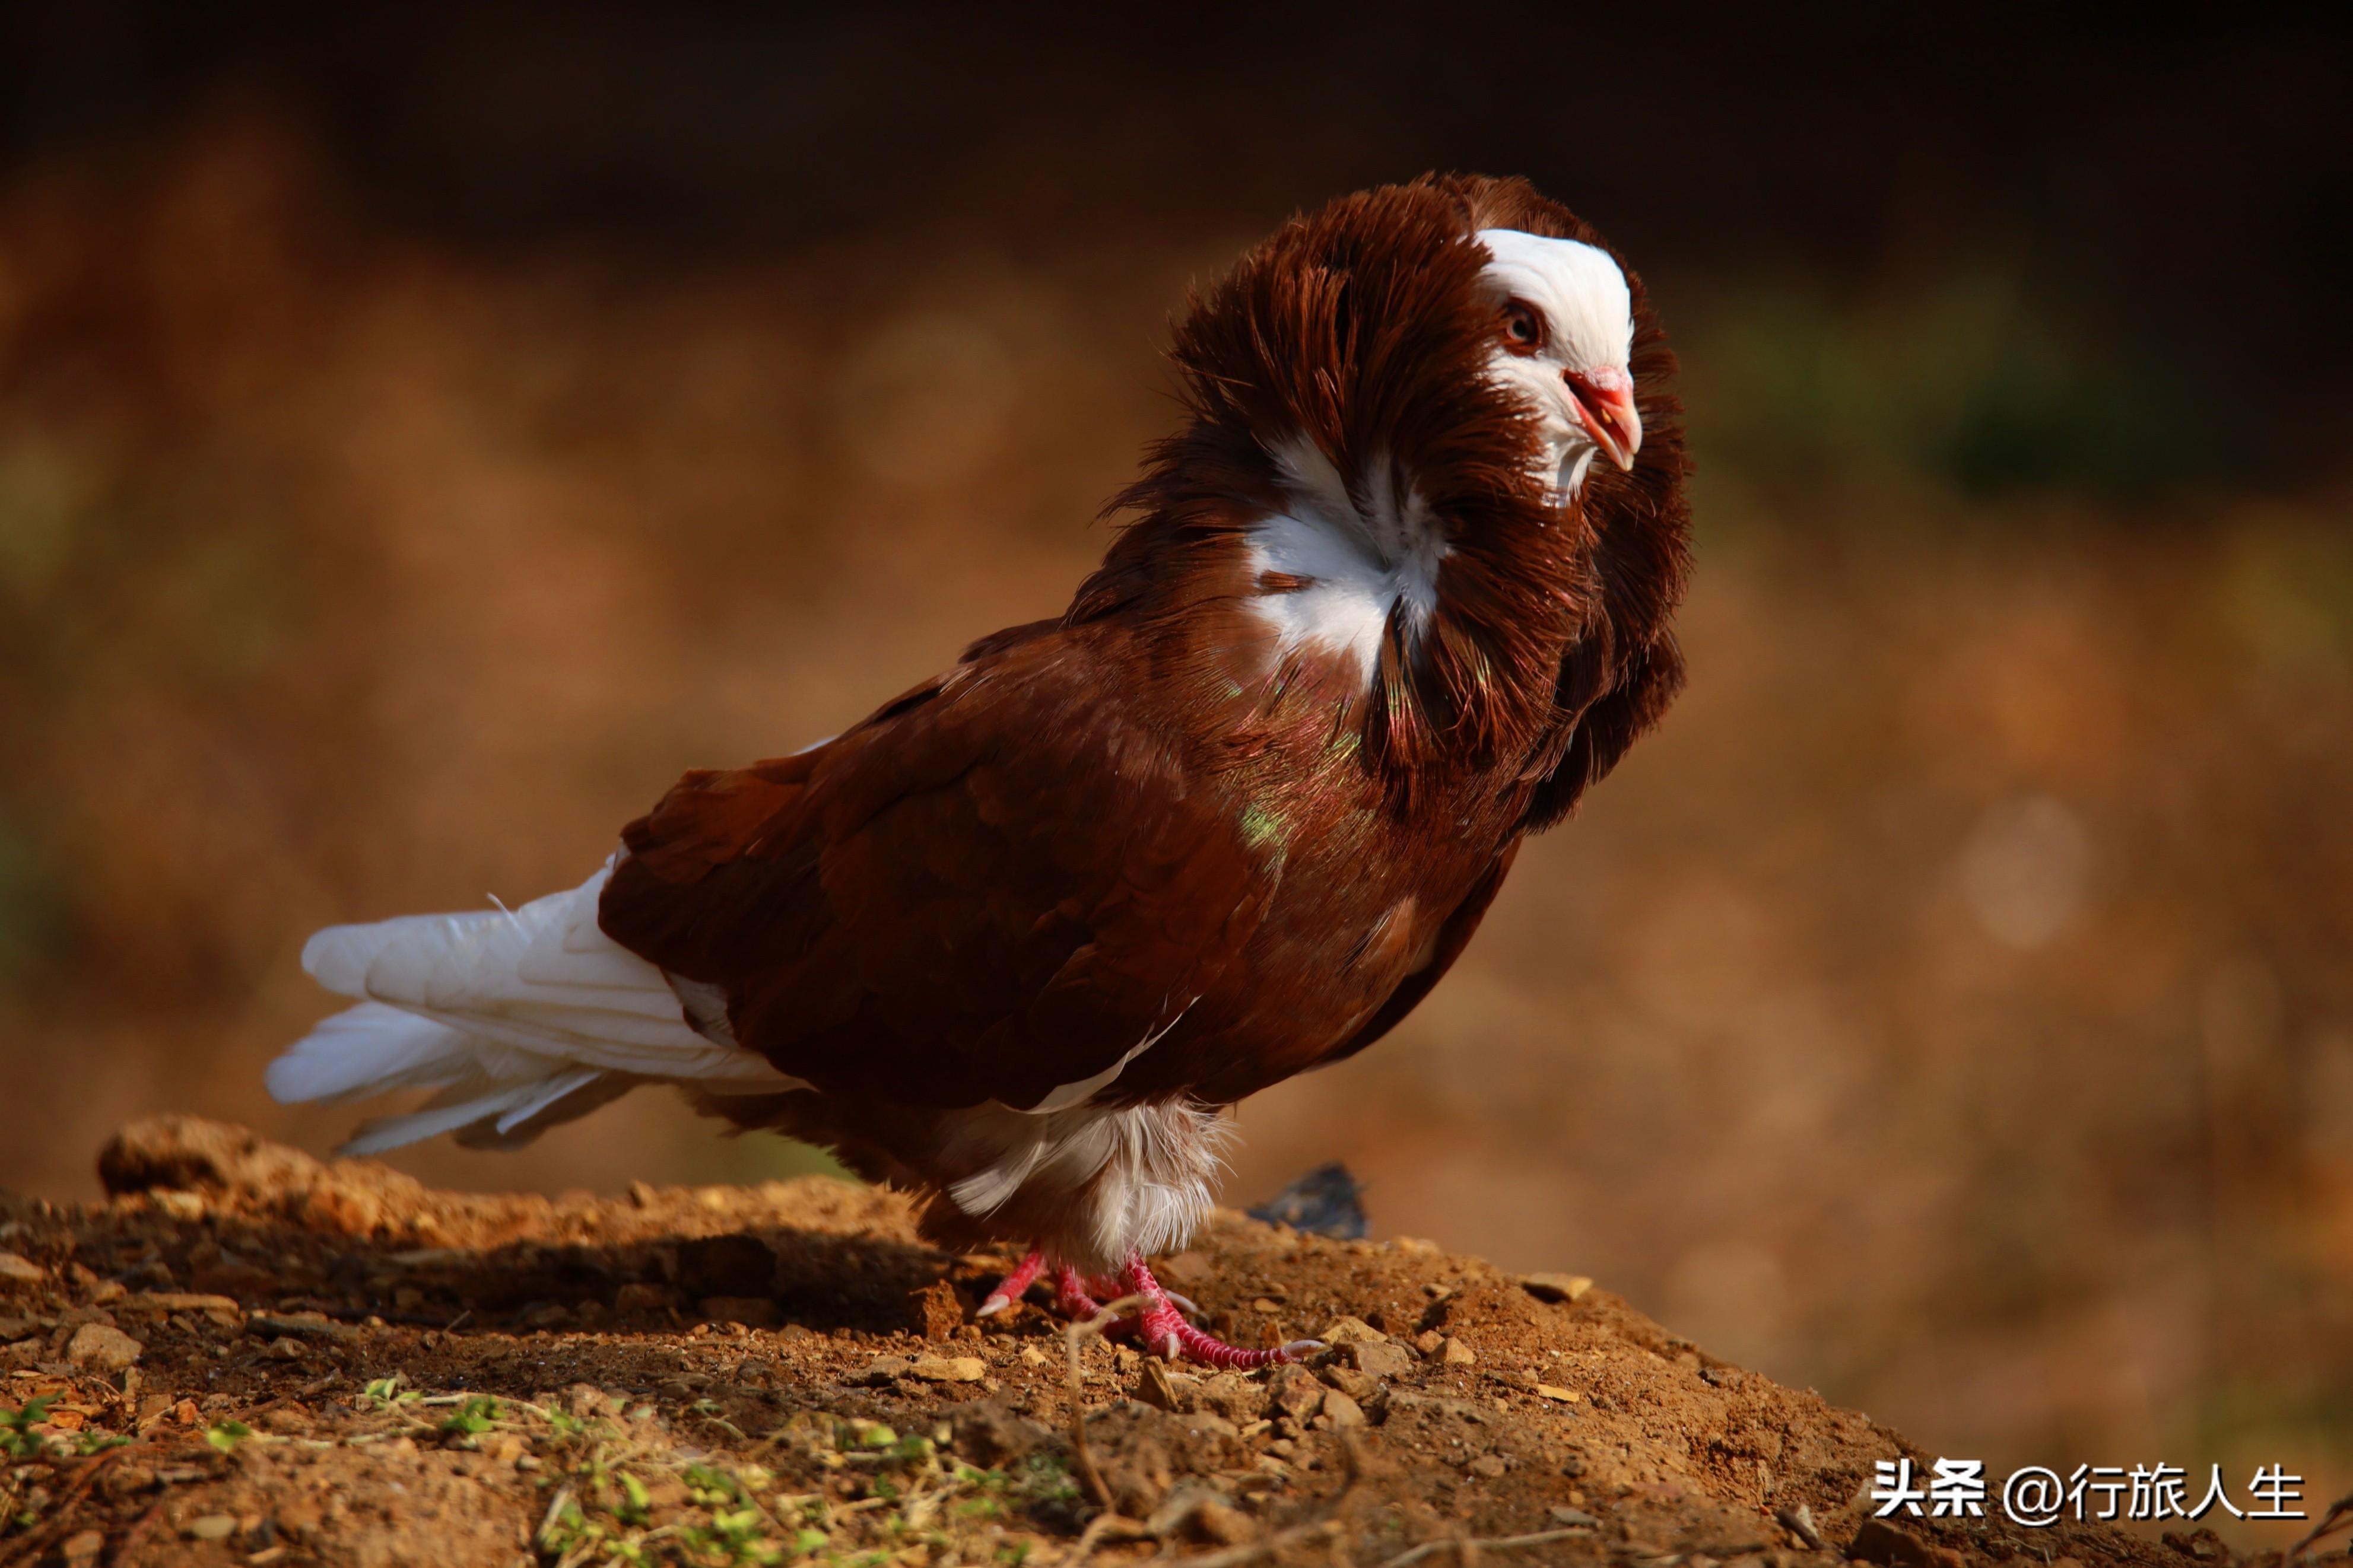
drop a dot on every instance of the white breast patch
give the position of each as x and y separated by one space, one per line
1361 562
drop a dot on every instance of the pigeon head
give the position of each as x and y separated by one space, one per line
1437 418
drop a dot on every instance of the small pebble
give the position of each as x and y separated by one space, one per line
948 1368
97 1348
1555 1286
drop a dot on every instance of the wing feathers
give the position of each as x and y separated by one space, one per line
521 1019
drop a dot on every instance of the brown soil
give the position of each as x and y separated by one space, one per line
763 1374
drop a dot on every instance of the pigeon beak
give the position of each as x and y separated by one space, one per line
1604 399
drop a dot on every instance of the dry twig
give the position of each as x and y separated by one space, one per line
1466 1549
1082 1459
61 1516
2340 1513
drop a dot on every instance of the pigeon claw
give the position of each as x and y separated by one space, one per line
1159 1325
1013 1286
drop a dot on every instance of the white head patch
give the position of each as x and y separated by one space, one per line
1584 299
1359 558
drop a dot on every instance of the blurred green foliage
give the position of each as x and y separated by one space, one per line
30 910
1968 382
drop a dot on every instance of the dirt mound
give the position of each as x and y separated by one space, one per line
250 1356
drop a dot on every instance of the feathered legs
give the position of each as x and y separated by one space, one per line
1159 1327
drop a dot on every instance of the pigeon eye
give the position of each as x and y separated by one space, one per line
1524 329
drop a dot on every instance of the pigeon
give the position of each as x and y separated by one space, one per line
1392 594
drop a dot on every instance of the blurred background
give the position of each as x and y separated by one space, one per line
421 439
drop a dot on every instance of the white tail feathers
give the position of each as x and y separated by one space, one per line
521 1019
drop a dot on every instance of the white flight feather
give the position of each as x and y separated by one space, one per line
507 1013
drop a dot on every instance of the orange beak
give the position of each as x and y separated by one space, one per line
1605 406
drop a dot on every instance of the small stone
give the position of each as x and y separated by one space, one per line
1487 1464
1292 1391
1174 1392
97 1348
1430 1342
1232 1395
1555 1286
84 1547
939 1311
641 1194
593 1313
1554 1391
298 1325
184 1301
1033 1356
1341 1410
286 1350
1454 1353
554 1315
213 1527
1345 1331
1357 1385
1880 1543
948 1368
1800 1523
1574 1518
886 1369
1376 1357
1189 1268
17 1270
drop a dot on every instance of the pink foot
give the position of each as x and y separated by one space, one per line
1162 1328
1071 1297
1013 1286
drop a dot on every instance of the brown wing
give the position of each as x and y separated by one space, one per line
998 885
1453 936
